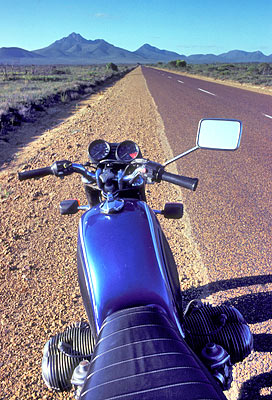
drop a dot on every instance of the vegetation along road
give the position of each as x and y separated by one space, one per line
230 213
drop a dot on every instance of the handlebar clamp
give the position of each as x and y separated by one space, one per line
153 171
62 168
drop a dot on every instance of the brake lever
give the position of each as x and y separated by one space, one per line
140 171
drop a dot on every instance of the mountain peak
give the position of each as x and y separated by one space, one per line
147 46
75 36
153 53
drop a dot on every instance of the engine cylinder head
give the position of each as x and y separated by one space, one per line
63 352
223 325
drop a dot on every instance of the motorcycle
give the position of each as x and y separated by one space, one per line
139 341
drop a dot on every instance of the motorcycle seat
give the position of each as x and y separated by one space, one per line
140 355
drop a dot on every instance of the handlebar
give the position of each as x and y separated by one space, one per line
152 171
184 181
59 169
35 173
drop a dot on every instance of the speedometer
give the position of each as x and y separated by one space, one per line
127 151
98 150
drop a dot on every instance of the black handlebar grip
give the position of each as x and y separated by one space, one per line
35 173
184 181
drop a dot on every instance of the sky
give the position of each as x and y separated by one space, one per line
184 26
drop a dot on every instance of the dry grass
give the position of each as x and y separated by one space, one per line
23 85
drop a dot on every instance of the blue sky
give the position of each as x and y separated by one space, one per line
184 26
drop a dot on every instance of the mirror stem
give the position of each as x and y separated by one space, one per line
179 156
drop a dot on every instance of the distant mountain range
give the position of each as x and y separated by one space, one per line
74 49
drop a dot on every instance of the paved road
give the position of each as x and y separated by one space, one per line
230 212
231 209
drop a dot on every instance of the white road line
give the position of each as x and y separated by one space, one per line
180 82
170 77
205 91
268 116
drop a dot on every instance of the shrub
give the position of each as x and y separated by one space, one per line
181 64
112 66
173 63
252 69
57 71
265 69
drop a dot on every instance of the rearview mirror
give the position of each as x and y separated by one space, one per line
219 134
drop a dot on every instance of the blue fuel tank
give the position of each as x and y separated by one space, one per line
121 262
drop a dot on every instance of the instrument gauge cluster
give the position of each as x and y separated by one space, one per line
124 152
127 151
98 150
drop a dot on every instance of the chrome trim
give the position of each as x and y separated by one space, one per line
220 119
87 270
112 205
180 155
84 208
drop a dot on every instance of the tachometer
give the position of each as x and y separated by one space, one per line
98 150
127 151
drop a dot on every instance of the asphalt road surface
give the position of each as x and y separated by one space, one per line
230 212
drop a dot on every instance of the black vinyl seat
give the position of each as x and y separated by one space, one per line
140 355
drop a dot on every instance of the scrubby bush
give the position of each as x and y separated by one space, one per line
57 71
173 63
265 69
112 66
181 64
177 63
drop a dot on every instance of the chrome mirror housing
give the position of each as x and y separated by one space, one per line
219 134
